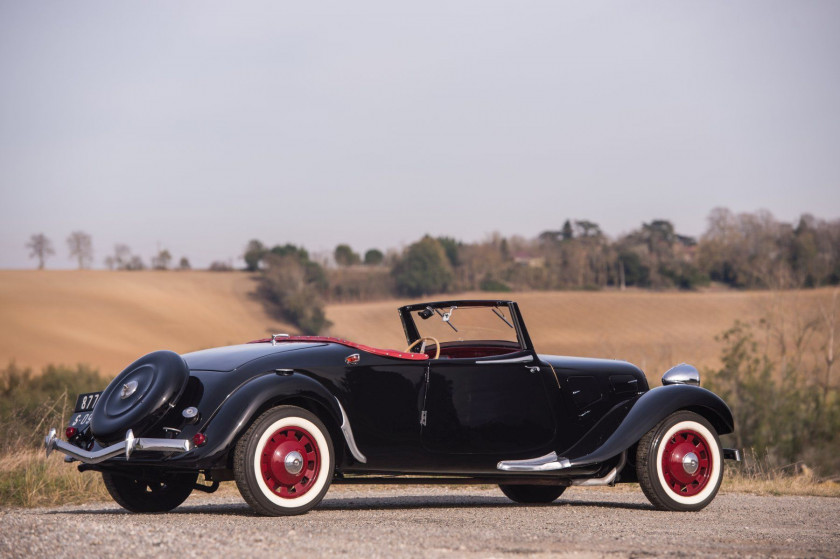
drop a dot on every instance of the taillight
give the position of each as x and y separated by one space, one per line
199 439
70 432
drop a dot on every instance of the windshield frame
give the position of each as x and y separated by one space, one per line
412 333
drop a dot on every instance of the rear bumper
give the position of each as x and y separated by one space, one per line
127 447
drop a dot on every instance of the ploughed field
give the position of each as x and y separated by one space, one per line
108 319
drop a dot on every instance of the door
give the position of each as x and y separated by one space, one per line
486 406
384 406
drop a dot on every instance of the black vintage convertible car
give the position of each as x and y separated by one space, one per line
468 401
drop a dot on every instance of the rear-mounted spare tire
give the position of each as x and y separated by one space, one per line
139 396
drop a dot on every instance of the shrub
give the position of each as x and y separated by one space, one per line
291 289
780 413
491 284
30 405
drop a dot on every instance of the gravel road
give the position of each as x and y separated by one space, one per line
434 522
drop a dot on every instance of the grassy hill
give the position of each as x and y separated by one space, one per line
108 319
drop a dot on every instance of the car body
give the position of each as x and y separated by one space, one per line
469 401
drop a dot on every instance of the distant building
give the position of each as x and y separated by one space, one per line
525 259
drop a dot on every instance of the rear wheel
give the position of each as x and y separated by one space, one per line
679 463
158 494
284 462
532 494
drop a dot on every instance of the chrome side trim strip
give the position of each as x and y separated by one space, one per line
526 359
732 454
545 463
608 479
348 435
129 445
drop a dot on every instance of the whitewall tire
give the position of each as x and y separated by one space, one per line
679 463
284 462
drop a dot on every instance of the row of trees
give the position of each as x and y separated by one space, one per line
746 250
80 249
750 250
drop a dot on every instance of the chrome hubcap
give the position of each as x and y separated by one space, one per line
690 463
293 462
128 389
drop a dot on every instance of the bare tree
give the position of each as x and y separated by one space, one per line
40 247
81 248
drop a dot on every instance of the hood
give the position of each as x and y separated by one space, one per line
230 358
589 365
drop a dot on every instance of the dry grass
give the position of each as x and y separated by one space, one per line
30 480
777 484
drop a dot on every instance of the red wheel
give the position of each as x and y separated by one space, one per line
283 463
290 461
686 462
679 463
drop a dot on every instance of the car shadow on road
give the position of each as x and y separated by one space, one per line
376 503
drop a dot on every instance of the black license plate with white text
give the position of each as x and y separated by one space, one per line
84 408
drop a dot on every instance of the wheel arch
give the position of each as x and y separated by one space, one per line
625 425
242 407
722 425
316 407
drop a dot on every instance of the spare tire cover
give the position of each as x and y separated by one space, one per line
139 396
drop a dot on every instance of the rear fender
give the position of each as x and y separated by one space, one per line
242 406
646 412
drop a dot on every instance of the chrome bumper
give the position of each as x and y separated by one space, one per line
129 445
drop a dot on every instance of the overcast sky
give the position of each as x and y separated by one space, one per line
196 126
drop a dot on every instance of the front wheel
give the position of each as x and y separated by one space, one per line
532 494
284 462
161 493
679 463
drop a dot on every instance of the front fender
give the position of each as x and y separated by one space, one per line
646 412
237 411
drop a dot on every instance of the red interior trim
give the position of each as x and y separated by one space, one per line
368 349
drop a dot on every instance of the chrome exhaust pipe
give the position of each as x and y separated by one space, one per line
608 479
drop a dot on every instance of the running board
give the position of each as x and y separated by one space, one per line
546 463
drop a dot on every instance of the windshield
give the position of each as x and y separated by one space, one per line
460 324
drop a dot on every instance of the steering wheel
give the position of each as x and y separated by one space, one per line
424 339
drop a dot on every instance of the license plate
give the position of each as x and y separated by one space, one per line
82 411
